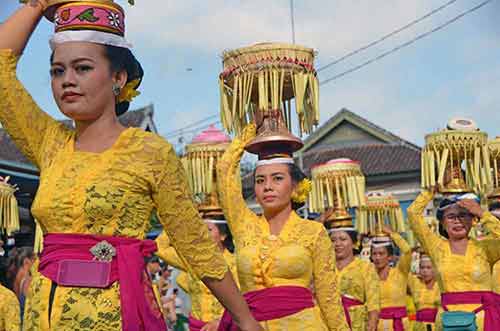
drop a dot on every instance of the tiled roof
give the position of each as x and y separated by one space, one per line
378 159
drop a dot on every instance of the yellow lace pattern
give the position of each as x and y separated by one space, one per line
204 306
423 298
360 281
10 319
110 193
300 255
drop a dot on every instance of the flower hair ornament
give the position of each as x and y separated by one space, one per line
302 190
129 92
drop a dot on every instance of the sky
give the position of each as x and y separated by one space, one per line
452 72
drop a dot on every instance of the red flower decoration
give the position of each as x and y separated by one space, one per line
65 14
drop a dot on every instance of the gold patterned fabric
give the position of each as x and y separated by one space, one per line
112 193
456 273
301 255
393 289
423 297
10 319
204 306
359 280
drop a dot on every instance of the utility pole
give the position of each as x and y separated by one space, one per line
292 18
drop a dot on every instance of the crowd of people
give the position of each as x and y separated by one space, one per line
275 270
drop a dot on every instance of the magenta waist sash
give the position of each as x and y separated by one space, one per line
348 303
195 324
488 301
272 303
395 314
427 315
139 309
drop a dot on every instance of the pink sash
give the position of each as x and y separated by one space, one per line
195 324
489 301
395 314
272 303
139 309
348 303
427 315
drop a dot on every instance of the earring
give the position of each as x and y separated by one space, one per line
116 90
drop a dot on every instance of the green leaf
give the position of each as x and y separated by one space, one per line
88 16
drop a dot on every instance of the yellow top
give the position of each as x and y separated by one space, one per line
301 255
393 289
359 280
456 273
204 306
10 319
111 193
423 297
496 277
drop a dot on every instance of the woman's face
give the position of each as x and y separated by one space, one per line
217 237
426 271
457 222
273 187
380 257
82 82
342 243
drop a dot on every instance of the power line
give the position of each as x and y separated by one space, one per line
191 125
292 18
378 41
408 43
194 130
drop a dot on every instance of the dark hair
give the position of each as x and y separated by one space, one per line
16 261
494 205
228 241
297 176
121 59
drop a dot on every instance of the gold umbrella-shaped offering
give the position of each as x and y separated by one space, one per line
380 209
200 162
338 184
494 152
9 211
261 84
457 159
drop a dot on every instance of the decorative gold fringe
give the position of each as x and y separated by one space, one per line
454 148
266 77
9 211
200 163
493 148
336 184
38 245
380 210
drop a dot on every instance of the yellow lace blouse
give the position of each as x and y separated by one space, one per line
423 297
204 306
10 319
393 289
301 255
110 193
359 280
456 273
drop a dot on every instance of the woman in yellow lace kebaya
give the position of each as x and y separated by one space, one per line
393 281
425 294
358 282
494 208
10 319
205 309
463 265
99 183
279 255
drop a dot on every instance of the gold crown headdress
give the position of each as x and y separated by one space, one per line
337 184
200 162
257 85
9 211
380 209
444 154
